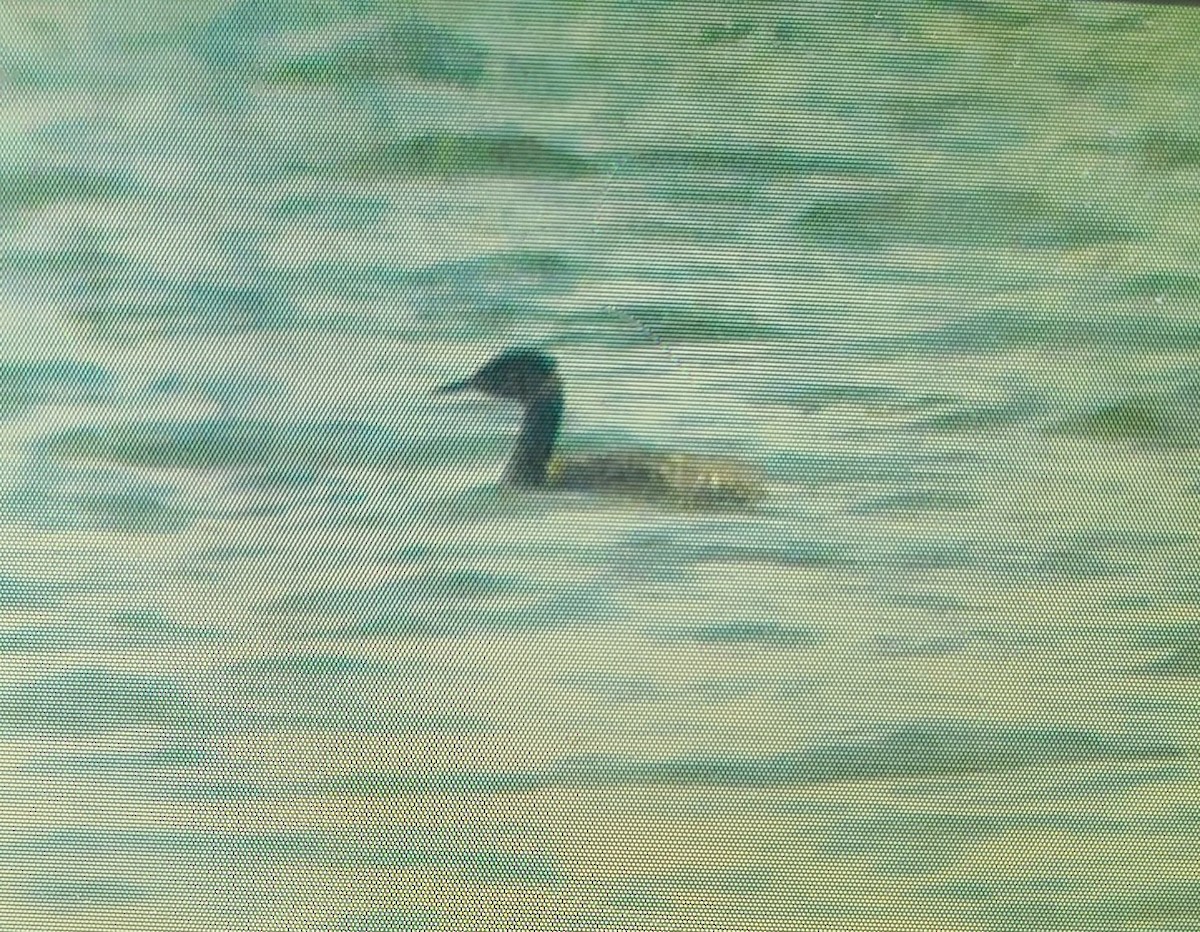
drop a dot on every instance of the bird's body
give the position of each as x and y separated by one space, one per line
530 378
666 477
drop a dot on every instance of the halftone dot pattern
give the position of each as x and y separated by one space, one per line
560 466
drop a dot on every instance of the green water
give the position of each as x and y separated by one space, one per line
278 651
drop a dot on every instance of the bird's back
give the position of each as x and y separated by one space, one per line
675 479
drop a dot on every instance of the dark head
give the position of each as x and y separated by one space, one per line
520 374
530 378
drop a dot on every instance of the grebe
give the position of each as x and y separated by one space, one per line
530 378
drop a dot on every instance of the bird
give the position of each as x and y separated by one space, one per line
529 377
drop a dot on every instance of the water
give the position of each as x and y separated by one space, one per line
279 653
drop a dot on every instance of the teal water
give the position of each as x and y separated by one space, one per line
278 652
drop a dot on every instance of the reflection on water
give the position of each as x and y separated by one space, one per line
278 649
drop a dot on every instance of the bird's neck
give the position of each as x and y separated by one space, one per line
535 443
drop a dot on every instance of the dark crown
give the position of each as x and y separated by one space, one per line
520 374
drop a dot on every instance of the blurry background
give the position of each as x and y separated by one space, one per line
275 650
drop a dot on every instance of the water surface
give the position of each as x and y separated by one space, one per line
277 650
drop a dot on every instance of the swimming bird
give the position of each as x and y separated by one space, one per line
530 378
